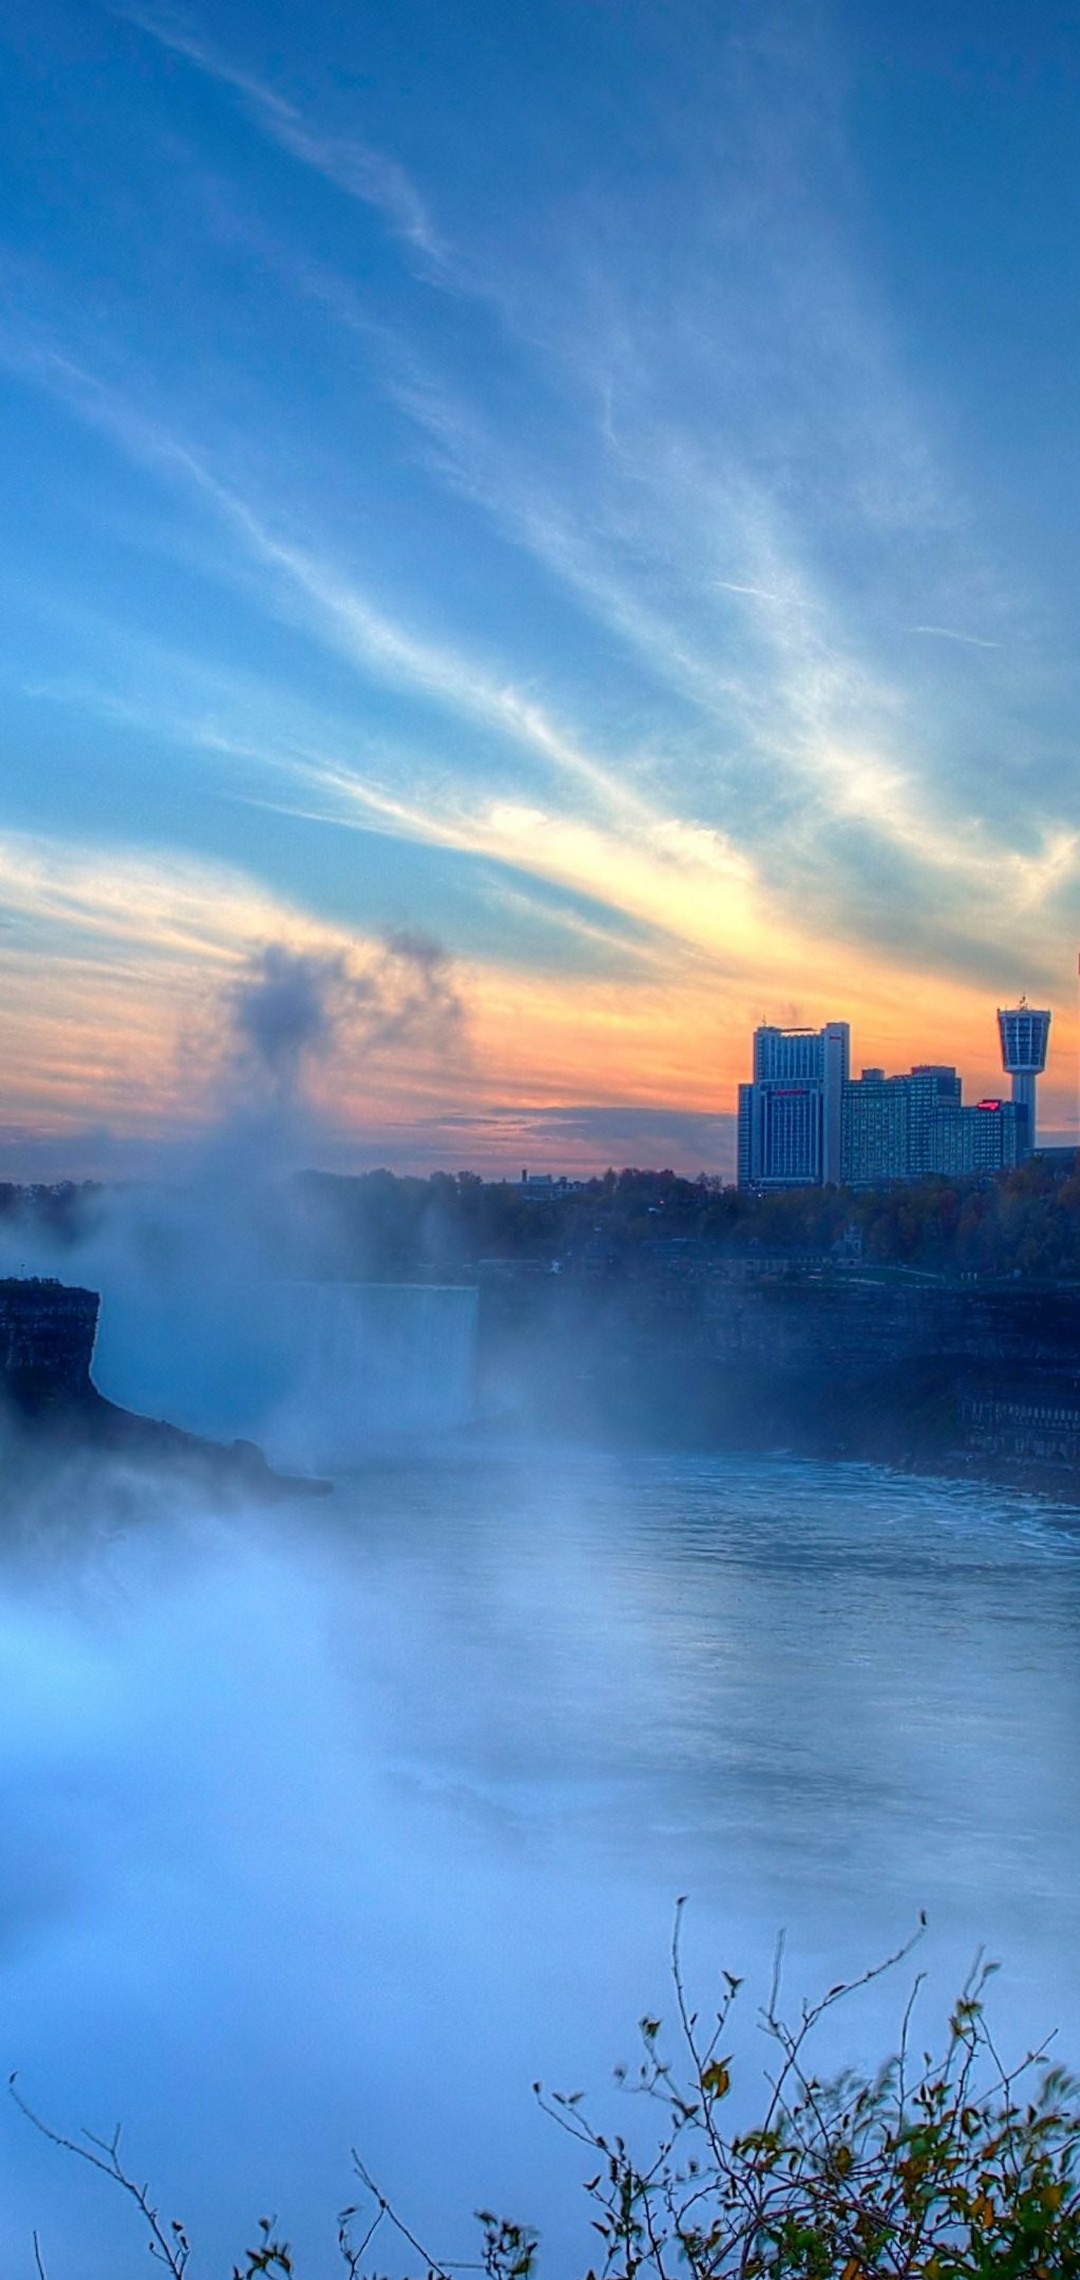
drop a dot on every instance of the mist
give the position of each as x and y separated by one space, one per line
208 1316
340 1826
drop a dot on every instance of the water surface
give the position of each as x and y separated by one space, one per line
339 1825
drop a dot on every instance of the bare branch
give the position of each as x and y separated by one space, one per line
170 2247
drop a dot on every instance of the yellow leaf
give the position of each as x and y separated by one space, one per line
716 2079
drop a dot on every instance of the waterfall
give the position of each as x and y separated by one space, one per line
319 1373
375 1363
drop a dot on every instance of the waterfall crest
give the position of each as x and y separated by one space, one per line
319 1373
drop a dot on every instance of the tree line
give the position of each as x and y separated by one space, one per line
390 1226
1023 1223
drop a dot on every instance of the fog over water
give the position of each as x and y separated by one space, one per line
339 1824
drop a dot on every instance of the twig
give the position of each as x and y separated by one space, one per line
104 2154
438 2268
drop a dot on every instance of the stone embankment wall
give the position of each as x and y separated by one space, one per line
1039 1428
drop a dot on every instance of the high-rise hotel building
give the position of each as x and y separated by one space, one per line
805 1122
791 1115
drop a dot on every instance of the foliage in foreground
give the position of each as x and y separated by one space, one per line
947 2167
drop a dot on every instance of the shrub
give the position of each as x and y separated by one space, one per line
951 2166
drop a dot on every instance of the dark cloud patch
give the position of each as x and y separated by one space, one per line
408 991
495 1140
287 1009
294 1008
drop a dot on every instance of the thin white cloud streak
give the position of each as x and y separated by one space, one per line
808 707
684 882
947 633
351 164
689 886
351 625
336 610
759 594
837 739
166 906
662 868
287 759
805 711
819 719
686 885
815 726
841 323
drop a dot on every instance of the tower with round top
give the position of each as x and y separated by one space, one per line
1025 1033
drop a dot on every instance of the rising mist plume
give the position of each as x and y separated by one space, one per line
292 1008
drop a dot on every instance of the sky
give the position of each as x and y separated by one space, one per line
578 500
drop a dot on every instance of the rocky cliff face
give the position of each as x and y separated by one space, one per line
935 1376
47 1332
49 1404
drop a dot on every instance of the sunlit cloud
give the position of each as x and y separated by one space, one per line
119 965
642 633
798 691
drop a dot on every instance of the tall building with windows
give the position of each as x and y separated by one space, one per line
804 1122
990 1137
1025 1034
890 1127
934 1088
791 1115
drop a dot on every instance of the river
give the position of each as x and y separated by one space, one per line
338 1825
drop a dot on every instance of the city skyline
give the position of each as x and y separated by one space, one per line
564 522
806 1119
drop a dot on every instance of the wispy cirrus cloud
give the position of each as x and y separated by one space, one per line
949 633
670 661
799 700
335 607
664 504
348 162
653 858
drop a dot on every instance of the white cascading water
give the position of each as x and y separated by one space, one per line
374 1363
319 1373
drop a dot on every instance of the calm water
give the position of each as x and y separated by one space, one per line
340 1826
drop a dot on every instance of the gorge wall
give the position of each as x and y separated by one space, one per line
847 1365
947 1377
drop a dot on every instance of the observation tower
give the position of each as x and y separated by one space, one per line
1025 1031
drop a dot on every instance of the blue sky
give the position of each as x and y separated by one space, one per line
596 483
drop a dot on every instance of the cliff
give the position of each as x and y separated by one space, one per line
47 1332
52 1406
934 1376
